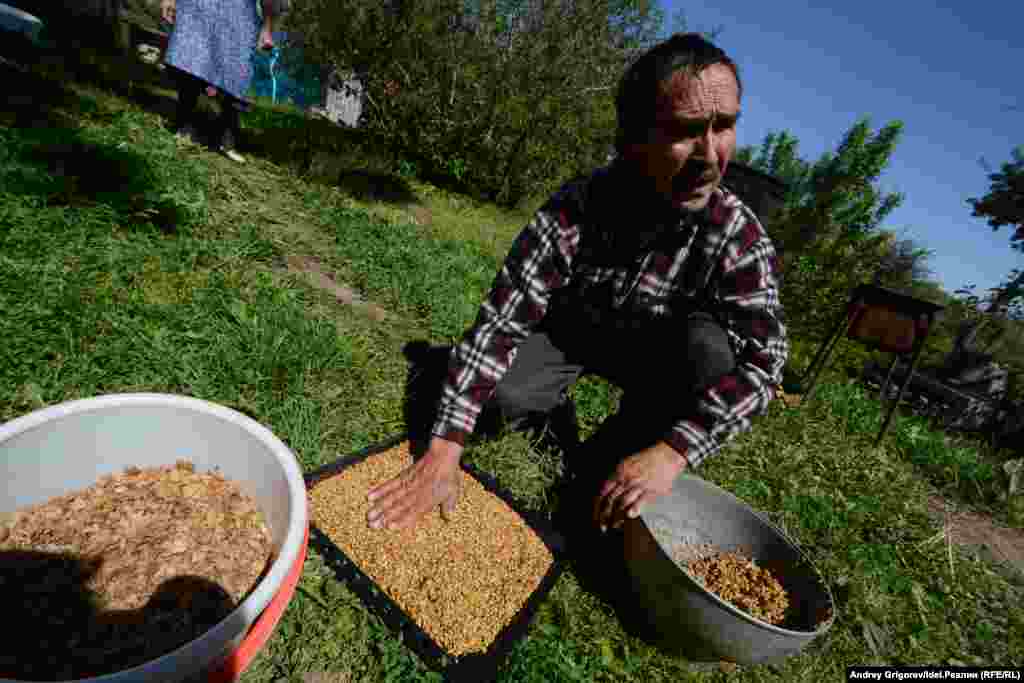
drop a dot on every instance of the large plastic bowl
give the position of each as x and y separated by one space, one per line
684 617
18 21
68 447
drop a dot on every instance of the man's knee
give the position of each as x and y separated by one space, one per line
513 403
507 408
709 355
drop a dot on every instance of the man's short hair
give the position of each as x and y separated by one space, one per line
636 99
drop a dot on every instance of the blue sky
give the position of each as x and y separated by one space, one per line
949 73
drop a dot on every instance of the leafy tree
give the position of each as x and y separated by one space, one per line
504 99
778 156
903 265
1004 203
1004 206
828 231
990 321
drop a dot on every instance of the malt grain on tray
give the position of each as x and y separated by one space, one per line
462 580
161 554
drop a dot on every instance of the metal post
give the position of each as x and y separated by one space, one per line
838 332
888 377
906 382
809 373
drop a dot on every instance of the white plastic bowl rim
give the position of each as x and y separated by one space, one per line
20 21
19 13
250 608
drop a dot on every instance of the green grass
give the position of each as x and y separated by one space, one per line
956 467
451 277
174 280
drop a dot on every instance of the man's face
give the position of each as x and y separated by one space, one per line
693 138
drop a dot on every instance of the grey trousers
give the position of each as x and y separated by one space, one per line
661 366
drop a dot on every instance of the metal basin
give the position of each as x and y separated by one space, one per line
685 618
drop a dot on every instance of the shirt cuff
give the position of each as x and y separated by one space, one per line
693 453
451 433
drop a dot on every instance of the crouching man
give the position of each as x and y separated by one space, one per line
649 273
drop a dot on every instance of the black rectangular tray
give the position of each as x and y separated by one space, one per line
477 667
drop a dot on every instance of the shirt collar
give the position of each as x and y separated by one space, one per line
648 217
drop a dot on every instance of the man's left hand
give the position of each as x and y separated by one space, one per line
639 479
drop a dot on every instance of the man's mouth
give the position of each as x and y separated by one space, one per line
687 184
691 178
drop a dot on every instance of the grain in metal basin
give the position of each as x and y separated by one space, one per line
687 618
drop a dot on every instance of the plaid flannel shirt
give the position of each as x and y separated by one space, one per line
719 259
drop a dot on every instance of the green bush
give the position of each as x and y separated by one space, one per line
500 101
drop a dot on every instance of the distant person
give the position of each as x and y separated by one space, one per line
647 272
210 48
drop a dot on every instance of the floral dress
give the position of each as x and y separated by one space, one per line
213 40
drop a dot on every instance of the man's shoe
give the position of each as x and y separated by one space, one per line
233 155
187 134
227 147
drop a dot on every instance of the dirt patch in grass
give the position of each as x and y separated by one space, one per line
321 677
421 215
315 273
1003 544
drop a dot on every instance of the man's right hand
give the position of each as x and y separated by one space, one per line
433 480
167 10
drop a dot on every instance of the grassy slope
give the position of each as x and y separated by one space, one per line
161 269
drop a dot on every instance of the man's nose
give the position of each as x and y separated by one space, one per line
705 147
